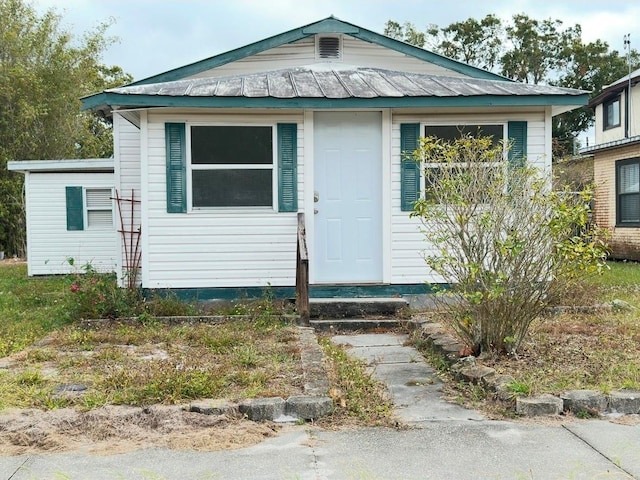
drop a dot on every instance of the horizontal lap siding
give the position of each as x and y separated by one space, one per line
50 244
128 171
302 53
237 248
624 242
409 244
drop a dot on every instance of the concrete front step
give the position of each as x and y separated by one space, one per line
335 308
360 324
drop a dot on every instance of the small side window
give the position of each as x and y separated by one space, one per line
611 112
99 206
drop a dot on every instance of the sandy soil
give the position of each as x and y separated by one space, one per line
112 430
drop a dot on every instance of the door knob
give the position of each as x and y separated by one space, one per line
316 197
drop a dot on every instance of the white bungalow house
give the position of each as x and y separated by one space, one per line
616 165
223 154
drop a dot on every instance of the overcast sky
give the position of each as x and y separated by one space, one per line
158 35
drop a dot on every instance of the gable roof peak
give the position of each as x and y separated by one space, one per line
329 25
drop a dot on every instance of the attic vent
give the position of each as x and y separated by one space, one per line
329 48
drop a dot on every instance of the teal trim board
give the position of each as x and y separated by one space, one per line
119 99
315 291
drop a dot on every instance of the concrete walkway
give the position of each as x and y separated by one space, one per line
447 442
413 384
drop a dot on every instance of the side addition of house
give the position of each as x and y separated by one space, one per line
616 165
225 152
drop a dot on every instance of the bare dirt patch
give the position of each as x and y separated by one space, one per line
119 429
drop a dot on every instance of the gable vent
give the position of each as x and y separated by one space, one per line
329 48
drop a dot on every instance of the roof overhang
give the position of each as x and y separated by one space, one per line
317 86
68 166
109 99
609 145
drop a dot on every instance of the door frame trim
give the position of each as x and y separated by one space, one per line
309 183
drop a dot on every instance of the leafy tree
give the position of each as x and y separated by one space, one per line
506 244
44 72
471 41
406 32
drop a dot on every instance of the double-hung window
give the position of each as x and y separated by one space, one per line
611 113
628 192
232 166
449 133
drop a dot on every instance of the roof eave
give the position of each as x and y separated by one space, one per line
109 100
63 165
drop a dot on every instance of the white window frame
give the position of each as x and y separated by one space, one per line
605 114
87 208
423 166
250 166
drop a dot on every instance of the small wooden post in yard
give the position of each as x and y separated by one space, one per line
302 272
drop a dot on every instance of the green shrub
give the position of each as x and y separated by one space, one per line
97 295
506 244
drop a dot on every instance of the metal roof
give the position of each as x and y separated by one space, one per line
612 144
335 82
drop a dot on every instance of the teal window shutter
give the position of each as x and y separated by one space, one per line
287 167
176 167
409 168
75 208
517 133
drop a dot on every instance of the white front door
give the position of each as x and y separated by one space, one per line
348 197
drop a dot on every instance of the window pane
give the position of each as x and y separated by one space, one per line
231 145
612 113
630 208
232 188
99 218
629 178
452 132
99 198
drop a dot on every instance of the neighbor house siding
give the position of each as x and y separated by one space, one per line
408 243
52 248
237 247
624 242
302 53
127 170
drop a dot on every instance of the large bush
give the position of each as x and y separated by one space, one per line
505 243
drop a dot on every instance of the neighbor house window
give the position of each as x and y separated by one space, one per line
232 166
611 112
628 192
449 133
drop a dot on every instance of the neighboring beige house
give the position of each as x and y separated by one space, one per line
616 165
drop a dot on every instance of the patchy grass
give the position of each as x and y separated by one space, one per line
356 395
155 364
29 307
598 350
132 363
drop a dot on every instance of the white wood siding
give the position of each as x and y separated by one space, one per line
408 242
217 247
302 53
127 171
50 244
